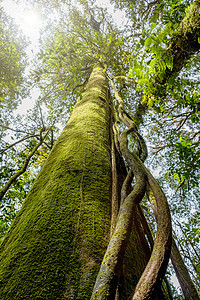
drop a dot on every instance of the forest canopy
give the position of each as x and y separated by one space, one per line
144 71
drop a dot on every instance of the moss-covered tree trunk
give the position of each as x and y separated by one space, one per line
56 243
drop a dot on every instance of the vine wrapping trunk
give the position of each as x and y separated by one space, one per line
56 244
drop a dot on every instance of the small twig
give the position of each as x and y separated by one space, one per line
183 122
12 129
17 142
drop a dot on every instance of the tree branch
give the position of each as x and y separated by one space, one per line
17 142
23 169
184 43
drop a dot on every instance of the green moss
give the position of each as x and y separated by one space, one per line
56 243
191 20
188 34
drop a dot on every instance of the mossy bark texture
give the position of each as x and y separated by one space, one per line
57 241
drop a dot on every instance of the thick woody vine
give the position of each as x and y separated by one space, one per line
107 279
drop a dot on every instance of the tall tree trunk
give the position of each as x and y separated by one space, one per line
56 244
57 241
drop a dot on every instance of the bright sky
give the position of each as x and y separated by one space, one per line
30 20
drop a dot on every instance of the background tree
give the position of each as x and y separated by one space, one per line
12 64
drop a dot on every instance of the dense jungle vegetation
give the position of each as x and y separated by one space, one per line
99 190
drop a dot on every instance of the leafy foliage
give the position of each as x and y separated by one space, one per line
12 58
